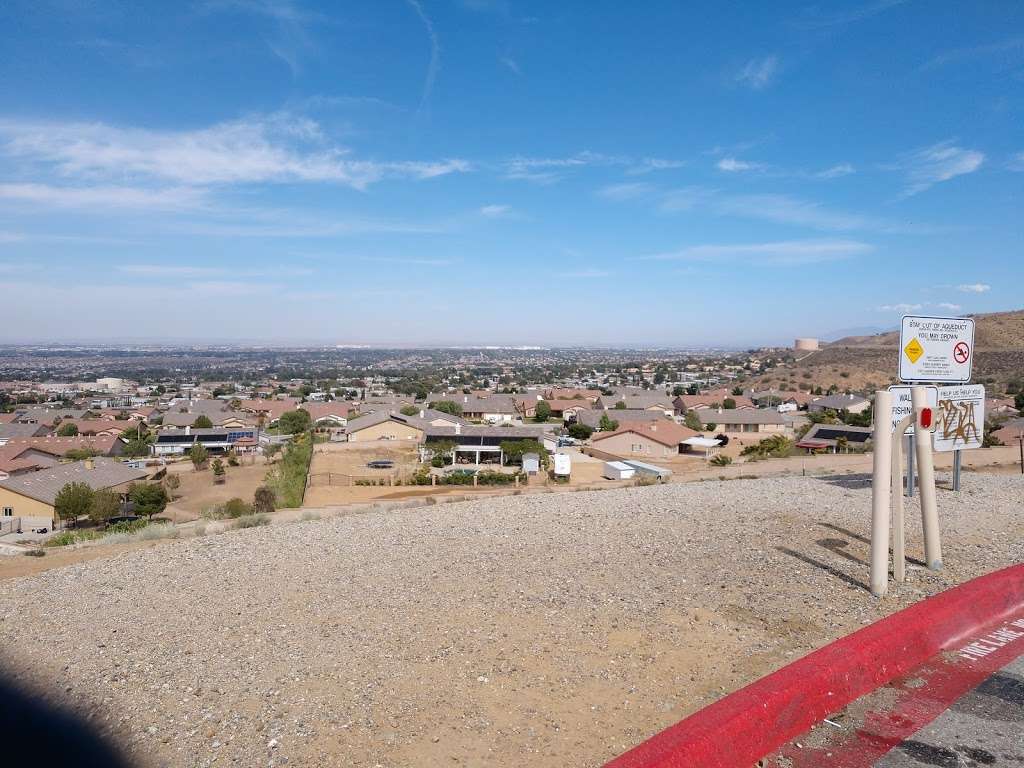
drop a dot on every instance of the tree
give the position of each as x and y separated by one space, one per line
1018 401
728 404
737 391
218 471
171 483
842 444
620 406
73 501
149 498
693 389
607 424
678 390
105 505
67 429
542 412
449 407
77 454
198 455
580 431
514 450
136 447
410 410
692 420
202 422
270 450
294 422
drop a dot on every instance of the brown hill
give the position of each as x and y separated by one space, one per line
869 362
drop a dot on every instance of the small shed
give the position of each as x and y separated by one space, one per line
563 465
616 470
531 463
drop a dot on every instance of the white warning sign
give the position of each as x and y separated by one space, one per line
936 349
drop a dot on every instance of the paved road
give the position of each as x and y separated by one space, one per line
984 727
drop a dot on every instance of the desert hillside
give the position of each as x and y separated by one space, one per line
868 362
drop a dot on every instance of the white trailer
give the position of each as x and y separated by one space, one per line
563 465
616 470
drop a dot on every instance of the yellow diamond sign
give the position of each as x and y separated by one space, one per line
913 350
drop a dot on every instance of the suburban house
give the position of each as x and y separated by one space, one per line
743 419
176 419
827 436
1000 406
268 410
851 403
58 447
647 401
1010 433
385 425
216 440
592 417
31 496
493 408
441 419
476 443
568 409
338 411
100 427
684 403
46 416
658 439
572 393
17 429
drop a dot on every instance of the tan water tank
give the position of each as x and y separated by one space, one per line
805 345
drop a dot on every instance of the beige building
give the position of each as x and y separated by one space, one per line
385 426
743 420
31 496
659 439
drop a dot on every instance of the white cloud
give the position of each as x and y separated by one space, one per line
758 73
495 211
732 165
649 164
901 308
785 209
434 65
277 148
1017 162
940 162
947 305
974 288
511 63
103 197
786 252
546 170
836 171
625 191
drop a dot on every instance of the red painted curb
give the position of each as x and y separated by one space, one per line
735 732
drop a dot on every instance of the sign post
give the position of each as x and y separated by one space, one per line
902 407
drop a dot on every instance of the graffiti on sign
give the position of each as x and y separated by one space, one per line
960 421
957 422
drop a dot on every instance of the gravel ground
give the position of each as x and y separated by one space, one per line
542 630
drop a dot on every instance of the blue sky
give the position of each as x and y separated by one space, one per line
480 171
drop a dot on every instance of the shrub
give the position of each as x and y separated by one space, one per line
34 552
721 460
263 500
236 508
307 515
288 478
580 431
252 521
